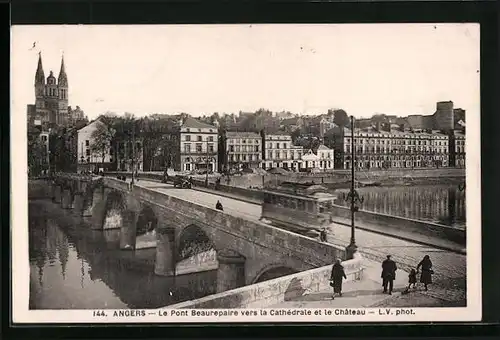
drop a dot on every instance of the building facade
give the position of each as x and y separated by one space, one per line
242 150
87 158
458 149
198 144
279 152
395 149
326 157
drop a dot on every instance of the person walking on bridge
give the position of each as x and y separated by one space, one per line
218 206
388 274
338 274
322 235
426 276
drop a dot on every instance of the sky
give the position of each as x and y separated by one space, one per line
398 69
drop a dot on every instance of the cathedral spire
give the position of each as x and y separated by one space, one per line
39 76
62 80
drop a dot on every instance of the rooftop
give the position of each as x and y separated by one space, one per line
196 124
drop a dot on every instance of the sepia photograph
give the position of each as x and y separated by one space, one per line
249 172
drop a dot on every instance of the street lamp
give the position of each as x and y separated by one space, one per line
206 174
353 197
133 150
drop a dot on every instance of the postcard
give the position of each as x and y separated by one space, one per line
246 173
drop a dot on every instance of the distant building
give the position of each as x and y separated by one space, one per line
279 152
310 160
51 99
394 149
75 115
443 117
198 146
291 124
326 157
242 150
88 159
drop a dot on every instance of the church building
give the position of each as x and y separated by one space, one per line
51 99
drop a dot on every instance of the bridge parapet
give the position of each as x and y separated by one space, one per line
289 244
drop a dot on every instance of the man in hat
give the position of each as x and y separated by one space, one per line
388 274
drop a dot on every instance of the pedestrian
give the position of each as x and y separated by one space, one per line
412 280
322 235
336 277
426 276
218 206
388 274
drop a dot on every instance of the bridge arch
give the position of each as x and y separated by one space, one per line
147 221
273 271
114 206
193 240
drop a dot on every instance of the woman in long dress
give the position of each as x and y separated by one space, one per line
426 275
338 274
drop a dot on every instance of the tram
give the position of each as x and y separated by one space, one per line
301 208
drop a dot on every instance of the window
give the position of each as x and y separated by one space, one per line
284 145
231 148
199 138
256 148
198 147
87 143
187 148
87 152
188 138
210 148
211 138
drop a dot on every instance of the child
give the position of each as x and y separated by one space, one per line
412 280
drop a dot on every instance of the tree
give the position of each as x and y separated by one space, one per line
101 140
295 135
340 117
37 153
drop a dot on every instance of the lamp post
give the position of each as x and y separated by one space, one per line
206 174
353 197
133 150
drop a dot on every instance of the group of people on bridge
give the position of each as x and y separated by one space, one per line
388 275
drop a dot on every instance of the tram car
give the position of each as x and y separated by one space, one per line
302 208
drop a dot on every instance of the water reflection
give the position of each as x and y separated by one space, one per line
73 266
444 204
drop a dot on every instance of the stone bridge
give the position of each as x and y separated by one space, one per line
247 251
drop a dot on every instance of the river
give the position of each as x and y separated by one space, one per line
74 267
443 204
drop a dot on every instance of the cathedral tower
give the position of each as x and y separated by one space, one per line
51 95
